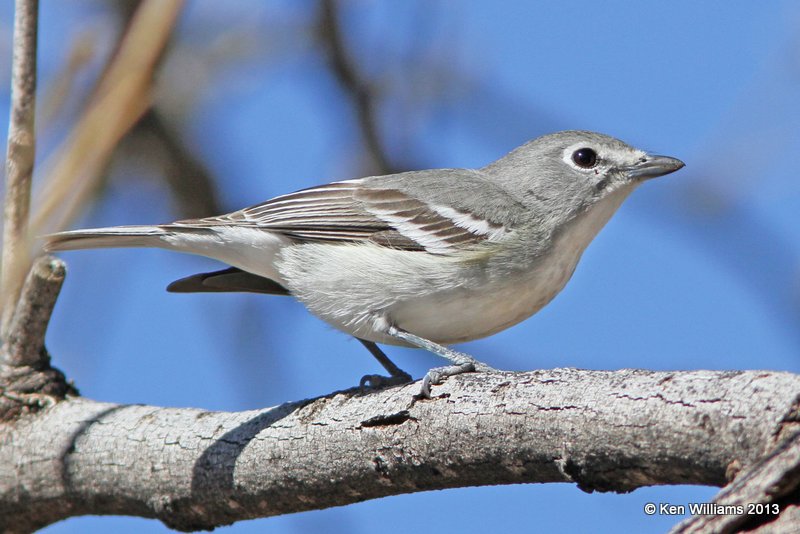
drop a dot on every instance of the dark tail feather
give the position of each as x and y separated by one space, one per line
227 281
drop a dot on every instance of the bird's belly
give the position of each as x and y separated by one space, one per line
464 315
347 291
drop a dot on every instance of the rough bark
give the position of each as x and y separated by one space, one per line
193 469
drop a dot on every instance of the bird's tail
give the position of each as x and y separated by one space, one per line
113 237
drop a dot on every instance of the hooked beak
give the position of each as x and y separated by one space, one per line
653 166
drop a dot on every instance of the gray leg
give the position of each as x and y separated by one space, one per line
397 375
462 363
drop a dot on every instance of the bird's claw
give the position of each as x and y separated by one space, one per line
436 376
379 381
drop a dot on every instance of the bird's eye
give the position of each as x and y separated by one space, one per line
585 157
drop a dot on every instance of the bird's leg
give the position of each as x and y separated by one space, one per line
461 363
396 375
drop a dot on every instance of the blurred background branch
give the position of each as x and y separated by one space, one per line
123 94
363 94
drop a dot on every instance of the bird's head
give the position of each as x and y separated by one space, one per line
566 172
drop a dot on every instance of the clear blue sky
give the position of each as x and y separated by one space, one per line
700 269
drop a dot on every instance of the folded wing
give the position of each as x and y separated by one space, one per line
362 210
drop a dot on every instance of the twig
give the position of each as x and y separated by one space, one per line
346 73
20 156
27 381
24 338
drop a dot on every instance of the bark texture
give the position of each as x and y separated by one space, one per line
194 469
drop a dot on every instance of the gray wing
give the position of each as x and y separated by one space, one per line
387 210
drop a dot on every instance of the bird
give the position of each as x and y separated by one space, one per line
424 258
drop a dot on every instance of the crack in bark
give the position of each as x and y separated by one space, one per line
661 397
397 418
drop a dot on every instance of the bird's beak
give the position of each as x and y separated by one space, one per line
653 166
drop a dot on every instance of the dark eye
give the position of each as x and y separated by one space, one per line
585 157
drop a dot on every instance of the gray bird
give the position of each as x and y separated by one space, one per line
421 258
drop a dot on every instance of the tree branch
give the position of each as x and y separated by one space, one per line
193 469
20 156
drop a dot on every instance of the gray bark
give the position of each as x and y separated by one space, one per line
605 431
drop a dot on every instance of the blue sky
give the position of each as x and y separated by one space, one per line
700 269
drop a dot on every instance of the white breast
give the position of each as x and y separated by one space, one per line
463 316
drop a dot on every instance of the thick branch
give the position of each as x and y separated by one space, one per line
20 155
606 431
